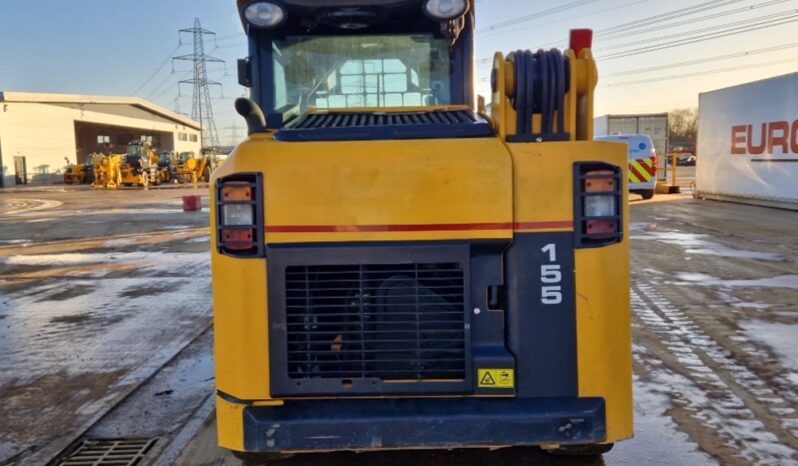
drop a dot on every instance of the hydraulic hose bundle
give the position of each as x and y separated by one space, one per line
546 95
541 81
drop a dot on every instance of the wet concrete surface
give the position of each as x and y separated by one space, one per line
715 321
715 324
98 290
714 294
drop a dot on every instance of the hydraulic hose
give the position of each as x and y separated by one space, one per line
542 80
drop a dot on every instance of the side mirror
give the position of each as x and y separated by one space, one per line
245 72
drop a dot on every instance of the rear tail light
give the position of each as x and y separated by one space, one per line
238 215
655 161
598 204
239 212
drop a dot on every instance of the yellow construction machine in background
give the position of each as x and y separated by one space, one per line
190 168
107 171
80 173
166 166
144 167
140 166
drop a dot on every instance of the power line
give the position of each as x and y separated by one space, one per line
631 28
746 22
238 35
695 20
701 61
700 38
160 85
592 13
157 70
174 85
225 47
643 22
646 21
703 73
538 14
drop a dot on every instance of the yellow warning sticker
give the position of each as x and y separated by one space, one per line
496 378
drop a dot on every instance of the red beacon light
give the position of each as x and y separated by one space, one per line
581 39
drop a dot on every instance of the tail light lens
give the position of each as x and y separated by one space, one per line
598 204
238 215
239 202
656 164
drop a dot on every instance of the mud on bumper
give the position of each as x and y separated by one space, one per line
305 426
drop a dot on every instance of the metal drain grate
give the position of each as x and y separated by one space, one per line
106 452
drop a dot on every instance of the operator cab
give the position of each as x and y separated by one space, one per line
136 152
319 72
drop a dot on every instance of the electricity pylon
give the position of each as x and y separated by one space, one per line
201 108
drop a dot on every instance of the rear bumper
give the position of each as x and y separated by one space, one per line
643 186
330 425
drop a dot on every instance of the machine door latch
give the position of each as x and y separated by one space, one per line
495 297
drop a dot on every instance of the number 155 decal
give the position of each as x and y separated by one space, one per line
551 277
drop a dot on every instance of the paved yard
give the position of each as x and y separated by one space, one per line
105 313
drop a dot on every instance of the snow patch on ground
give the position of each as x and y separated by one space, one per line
62 213
658 439
107 258
782 338
12 241
18 206
47 323
698 244
701 389
757 306
781 281
116 243
639 226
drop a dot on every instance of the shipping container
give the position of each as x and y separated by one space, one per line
748 143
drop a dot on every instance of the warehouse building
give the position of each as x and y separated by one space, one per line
39 133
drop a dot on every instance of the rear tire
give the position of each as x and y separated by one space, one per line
582 450
647 193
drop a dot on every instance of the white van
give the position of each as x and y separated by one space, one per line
642 162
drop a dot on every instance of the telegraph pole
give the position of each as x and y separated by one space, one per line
201 108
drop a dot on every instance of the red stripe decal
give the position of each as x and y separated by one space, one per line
648 164
637 173
544 226
416 228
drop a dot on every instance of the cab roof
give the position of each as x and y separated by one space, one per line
306 9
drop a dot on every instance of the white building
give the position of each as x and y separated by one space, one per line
40 132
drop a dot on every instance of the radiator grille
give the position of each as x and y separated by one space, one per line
355 120
392 322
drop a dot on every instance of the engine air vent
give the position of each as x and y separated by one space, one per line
391 322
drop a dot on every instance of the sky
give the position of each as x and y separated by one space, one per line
653 56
